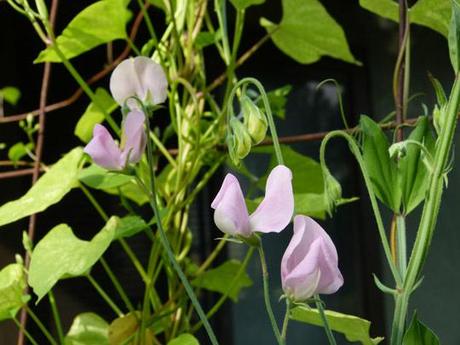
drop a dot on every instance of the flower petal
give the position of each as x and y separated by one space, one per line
231 215
103 149
134 135
275 211
140 77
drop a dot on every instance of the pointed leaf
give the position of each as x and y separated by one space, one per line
307 32
99 178
129 226
10 94
419 334
12 285
223 278
352 327
88 329
60 254
101 22
48 190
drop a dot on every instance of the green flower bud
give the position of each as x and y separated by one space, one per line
332 191
239 142
254 120
438 118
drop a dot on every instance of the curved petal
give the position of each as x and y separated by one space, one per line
134 137
103 149
140 77
331 278
231 215
153 80
275 211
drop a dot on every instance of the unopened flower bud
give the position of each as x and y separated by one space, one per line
332 191
240 141
254 120
438 118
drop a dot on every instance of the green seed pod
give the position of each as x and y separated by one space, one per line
254 120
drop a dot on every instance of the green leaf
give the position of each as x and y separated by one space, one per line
278 99
413 171
99 178
434 14
454 36
48 190
206 38
10 94
307 32
93 115
12 285
381 168
61 255
19 150
310 204
352 327
88 329
221 278
243 4
184 339
99 23
122 328
129 226
419 334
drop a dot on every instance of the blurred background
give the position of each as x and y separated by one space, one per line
366 89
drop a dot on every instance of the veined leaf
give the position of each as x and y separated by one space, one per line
99 23
48 190
352 327
307 32
60 254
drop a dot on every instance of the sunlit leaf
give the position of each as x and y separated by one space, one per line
352 327
12 284
10 94
307 32
19 150
48 190
61 255
99 23
222 278
88 329
93 115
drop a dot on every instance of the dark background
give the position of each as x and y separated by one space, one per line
366 90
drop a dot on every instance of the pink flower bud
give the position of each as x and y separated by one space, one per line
104 150
310 263
138 77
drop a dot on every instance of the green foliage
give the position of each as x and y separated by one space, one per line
122 329
307 32
222 278
184 339
99 23
93 115
19 150
61 255
243 4
352 327
277 99
381 168
12 285
414 173
48 190
454 36
419 334
434 14
88 329
10 94
129 226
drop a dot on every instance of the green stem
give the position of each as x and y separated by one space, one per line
399 318
117 285
104 296
327 328
56 316
286 320
401 244
26 333
41 326
268 304
167 247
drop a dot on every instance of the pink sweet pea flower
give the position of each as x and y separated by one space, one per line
273 214
104 150
310 263
138 77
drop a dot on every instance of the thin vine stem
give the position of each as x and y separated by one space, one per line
327 328
104 296
41 326
56 316
26 333
286 320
